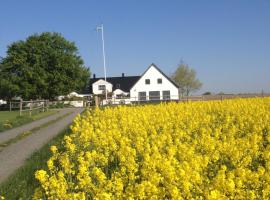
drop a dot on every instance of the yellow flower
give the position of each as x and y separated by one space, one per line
195 150
54 149
41 175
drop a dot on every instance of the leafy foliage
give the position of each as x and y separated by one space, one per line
45 65
185 77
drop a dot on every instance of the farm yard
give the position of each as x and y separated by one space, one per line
194 150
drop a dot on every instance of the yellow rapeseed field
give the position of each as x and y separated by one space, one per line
196 150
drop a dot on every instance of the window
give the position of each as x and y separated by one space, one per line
142 96
117 86
147 81
154 95
119 96
159 81
166 95
101 87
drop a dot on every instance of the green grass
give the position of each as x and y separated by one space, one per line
12 119
22 184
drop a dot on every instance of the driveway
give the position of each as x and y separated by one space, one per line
13 156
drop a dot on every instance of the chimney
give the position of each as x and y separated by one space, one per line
123 74
94 76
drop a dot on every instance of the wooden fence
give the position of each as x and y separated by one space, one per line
29 106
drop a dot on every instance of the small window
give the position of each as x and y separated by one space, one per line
117 86
147 81
159 81
101 87
119 96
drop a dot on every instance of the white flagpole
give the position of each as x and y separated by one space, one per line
100 27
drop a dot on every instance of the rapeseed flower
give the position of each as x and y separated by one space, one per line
194 150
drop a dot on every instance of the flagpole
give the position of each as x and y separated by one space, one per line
104 60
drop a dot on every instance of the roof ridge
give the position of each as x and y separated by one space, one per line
114 77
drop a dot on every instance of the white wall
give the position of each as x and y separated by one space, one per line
153 74
74 103
101 82
119 92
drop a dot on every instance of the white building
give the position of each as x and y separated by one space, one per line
100 85
152 85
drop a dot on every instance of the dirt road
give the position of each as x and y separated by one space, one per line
13 156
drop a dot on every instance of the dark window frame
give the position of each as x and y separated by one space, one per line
147 81
155 97
166 96
101 87
142 97
159 80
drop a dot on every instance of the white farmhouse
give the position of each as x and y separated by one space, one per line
152 85
117 87
100 85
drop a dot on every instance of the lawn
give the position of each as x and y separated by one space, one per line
12 119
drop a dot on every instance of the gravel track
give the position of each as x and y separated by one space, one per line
13 156
12 133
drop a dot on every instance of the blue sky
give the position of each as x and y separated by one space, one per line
226 42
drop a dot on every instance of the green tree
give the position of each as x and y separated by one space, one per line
186 79
45 65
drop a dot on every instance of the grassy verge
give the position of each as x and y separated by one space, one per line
12 119
22 183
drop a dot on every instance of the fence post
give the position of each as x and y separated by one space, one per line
10 106
20 107
47 104
96 101
30 113
43 106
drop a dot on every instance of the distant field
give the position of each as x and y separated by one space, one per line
12 119
223 97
